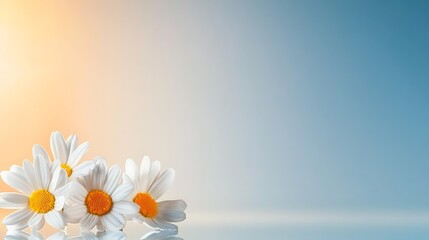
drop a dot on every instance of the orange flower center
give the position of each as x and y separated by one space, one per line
67 168
98 202
148 206
41 201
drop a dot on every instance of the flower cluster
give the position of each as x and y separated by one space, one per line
65 190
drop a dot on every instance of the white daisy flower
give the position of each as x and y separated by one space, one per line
42 196
68 153
150 186
100 199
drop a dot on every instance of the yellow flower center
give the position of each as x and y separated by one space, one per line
148 206
67 168
41 201
98 202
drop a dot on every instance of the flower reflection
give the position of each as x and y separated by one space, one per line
21 235
18 234
162 234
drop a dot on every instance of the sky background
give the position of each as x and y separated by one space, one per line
263 107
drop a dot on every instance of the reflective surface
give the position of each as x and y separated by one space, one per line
117 235
250 232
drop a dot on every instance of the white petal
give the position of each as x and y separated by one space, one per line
71 143
16 181
171 216
55 219
38 225
13 200
155 167
58 179
9 205
35 220
144 174
54 166
39 150
75 213
86 235
42 172
59 203
161 235
113 221
58 236
132 173
122 192
19 217
29 175
162 183
126 208
62 180
117 235
131 169
88 222
16 227
16 235
59 147
84 181
113 178
78 154
158 223
126 179
172 205
64 190
77 193
99 173
17 169
82 169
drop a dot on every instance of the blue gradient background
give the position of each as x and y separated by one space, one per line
263 108
306 104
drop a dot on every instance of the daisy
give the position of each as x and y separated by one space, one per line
100 199
68 153
42 196
150 186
